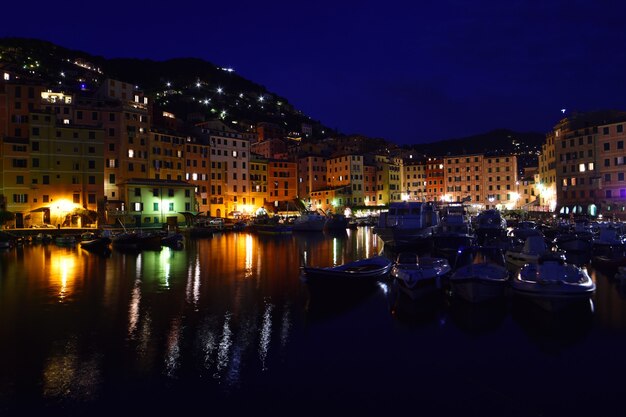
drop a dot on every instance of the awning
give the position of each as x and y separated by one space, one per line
190 213
40 210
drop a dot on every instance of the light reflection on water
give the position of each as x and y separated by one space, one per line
231 312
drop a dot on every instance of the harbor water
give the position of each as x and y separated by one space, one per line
227 325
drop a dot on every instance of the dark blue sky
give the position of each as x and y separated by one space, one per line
406 71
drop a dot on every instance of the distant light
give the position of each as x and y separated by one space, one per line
563 111
241 95
83 86
219 90
198 85
169 84
261 98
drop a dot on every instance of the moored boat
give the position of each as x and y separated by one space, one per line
336 223
136 241
553 284
480 274
419 275
97 245
408 224
362 271
173 240
309 222
533 248
489 224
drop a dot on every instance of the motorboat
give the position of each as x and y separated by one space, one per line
271 226
309 222
533 248
452 233
173 240
97 244
480 274
336 223
136 241
553 284
525 229
608 242
408 223
420 274
489 224
362 271
577 239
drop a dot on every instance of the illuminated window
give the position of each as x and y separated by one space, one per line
131 153
581 167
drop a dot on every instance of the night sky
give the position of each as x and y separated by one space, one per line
409 72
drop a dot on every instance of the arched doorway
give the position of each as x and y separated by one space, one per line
218 213
592 210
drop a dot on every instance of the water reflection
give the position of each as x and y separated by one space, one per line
478 318
230 319
417 311
553 331
68 376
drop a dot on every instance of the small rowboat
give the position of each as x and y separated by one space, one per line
368 270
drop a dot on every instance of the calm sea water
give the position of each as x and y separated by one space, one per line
226 325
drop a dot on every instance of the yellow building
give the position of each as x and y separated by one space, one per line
197 171
413 180
167 154
56 173
345 172
259 195
153 203
388 180
546 175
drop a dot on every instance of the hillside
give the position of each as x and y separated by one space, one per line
193 89
184 86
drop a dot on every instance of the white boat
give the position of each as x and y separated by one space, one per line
489 224
480 274
608 242
408 223
309 222
419 275
452 233
553 284
534 247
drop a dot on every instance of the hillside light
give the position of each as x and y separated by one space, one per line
219 90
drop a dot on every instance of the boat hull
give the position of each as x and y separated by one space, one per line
480 282
554 285
364 271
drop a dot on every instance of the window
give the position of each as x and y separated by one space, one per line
155 206
91 198
19 179
155 192
76 198
92 179
171 207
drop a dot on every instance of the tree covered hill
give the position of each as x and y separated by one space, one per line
187 87
195 89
